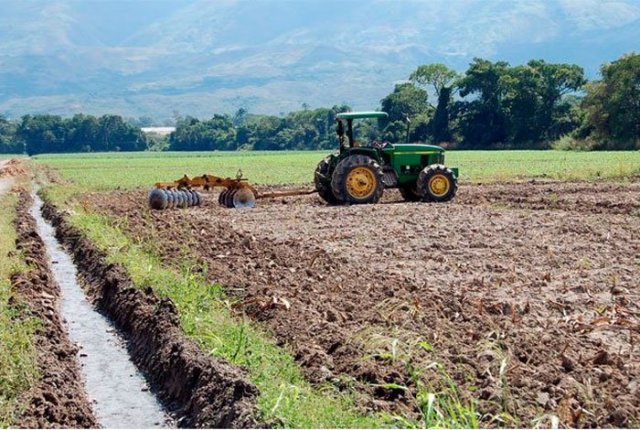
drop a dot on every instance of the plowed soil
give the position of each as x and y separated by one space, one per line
9 169
527 294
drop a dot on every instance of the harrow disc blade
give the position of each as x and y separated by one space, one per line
183 199
228 198
222 196
158 199
176 199
198 198
190 198
243 198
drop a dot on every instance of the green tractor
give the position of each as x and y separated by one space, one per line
359 174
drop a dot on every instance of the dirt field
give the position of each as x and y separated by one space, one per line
527 294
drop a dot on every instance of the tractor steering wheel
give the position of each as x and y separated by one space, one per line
380 145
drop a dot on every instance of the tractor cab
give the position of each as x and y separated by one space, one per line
359 173
347 118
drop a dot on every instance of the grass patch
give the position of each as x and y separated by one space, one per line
18 369
142 169
440 407
436 395
286 398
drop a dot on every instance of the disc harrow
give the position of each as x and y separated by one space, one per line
236 193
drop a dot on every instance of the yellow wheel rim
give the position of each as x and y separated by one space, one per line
439 185
361 182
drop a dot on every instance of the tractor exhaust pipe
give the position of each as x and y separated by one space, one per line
408 126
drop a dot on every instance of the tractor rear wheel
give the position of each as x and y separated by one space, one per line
323 181
357 179
437 183
410 192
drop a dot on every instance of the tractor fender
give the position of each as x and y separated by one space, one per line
369 152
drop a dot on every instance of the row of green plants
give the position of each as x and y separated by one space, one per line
104 171
492 105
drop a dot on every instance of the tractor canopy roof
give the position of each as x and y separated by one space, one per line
358 115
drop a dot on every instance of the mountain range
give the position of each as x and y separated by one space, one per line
161 58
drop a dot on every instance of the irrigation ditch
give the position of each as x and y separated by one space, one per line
58 399
194 389
117 390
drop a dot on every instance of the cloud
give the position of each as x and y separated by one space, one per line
600 14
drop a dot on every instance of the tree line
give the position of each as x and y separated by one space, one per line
35 134
492 105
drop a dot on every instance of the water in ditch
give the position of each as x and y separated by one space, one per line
120 396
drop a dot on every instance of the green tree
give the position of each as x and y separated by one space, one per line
482 121
9 143
42 133
51 133
556 81
407 101
442 80
81 133
240 117
215 134
524 106
438 76
612 105
115 134
535 100
265 135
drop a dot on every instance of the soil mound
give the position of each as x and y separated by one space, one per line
12 168
58 399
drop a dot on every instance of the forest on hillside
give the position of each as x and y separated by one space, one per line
492 105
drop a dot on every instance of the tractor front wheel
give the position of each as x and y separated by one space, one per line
357 179
437 183
323 181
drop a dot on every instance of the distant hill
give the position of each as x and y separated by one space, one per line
161 57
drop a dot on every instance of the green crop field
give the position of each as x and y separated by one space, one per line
102 171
